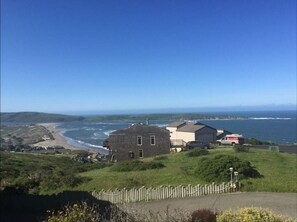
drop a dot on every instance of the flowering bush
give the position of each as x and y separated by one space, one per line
81 212
251 214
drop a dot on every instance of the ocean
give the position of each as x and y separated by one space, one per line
273 126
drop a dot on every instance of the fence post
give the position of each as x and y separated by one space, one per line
161 192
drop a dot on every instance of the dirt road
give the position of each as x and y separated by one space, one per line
282 203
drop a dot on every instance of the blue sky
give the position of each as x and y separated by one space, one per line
101 55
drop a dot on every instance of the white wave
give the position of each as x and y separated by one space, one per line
160 125
104 123
269 118
108 132
90 145
88 128
96 134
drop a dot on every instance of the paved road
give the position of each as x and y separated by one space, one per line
282 203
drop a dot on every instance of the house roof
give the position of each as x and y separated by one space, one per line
138 128
188 126
191 127
176 124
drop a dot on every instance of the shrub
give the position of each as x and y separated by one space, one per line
77 212
136 165
130 183
241 148
197 152
254 141
161 158
217 169
203 215
251 214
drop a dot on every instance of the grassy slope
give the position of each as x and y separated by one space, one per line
279 171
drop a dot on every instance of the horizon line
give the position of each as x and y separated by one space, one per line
287 107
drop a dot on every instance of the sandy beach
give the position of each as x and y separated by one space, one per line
58 141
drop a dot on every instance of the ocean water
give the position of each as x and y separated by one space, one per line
274 126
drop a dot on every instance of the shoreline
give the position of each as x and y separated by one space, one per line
59 140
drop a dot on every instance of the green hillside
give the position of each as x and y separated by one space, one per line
158 117
36 117
278 172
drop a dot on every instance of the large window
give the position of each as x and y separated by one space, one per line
153 140
140 153
139 140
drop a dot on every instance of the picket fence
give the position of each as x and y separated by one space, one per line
162 192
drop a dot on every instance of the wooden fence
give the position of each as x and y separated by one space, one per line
162 192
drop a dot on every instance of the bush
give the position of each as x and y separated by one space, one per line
217 169
197 152
136 165
41 174
241 148
77 212
251 214
161 158
130 183
203 215
254 141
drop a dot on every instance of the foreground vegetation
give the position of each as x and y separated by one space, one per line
277 170
40 173
46 174
90 213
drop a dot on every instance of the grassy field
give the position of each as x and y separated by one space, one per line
279 171
54 173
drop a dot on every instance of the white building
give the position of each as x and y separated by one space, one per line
183 132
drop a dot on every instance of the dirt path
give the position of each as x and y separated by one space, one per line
282 203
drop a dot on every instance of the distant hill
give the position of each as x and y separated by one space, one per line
163 116
36 117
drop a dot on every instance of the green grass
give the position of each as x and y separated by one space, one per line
34 173
278 170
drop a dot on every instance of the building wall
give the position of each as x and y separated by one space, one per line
186 136
173 135
206 134
122 145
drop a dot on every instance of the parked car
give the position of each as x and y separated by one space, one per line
197 144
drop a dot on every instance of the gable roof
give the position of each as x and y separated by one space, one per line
176 124
189 126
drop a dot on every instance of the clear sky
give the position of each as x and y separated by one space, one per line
98 55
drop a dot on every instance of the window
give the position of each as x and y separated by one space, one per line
139 140
140 153
131 155
153 140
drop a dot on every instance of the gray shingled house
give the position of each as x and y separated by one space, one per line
138 141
